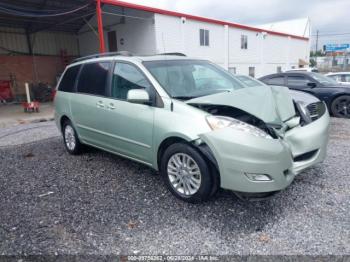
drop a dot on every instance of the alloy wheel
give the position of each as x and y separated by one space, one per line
184 174
342 107
69 137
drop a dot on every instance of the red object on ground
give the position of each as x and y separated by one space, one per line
5 90
31 107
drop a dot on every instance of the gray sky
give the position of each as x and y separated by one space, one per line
328 16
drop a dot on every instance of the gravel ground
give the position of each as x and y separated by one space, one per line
98 203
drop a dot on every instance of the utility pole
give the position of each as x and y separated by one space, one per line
316 40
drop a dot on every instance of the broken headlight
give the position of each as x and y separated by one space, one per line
218 122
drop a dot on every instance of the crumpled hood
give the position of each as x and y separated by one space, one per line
273 105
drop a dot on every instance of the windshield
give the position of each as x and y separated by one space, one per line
186 79
250 81
323 79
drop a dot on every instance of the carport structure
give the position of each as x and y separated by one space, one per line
52 15
38 38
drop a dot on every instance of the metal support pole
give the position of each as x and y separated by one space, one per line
100 26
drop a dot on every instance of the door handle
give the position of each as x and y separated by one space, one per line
111 106
100 104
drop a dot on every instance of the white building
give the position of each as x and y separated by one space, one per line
239 48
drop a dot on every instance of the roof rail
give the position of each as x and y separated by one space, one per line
119 53
174 53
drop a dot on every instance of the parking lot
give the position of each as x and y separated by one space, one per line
98 203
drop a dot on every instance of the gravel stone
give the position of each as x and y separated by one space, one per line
98 203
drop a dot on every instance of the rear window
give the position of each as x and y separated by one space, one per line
93 78
68 79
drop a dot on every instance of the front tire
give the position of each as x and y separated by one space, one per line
187 174
70 138
340 107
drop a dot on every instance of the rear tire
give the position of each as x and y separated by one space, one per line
187 174
70 138
340 106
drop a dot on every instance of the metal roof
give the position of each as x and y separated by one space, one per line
70 22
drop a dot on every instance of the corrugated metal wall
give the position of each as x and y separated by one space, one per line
44 43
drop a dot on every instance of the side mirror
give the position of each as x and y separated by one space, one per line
311 84
138 96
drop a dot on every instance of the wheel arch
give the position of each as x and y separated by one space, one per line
201 147
62 120
165 144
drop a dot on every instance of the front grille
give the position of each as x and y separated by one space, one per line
305 156
316 110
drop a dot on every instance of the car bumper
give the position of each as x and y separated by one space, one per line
239 154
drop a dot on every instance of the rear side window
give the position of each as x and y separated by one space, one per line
297 80
278 80
93 78
68 79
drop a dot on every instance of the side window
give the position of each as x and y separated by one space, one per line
204 37
244 42
346 78
68 79
93 78
277 80
125 78
297 81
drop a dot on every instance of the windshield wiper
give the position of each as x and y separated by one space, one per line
184 97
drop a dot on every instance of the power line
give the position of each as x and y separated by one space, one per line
331 34
17 12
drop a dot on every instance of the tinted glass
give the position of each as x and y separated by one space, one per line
68 79
297 81
93 78
192 78
323 79
278 80
125 78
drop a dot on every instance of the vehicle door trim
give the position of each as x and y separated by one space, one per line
114 136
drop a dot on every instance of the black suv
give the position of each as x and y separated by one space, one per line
335 95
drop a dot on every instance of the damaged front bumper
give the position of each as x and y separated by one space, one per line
241 157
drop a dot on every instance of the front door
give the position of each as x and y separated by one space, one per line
112 41
129 125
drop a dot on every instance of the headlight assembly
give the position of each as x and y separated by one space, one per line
218 122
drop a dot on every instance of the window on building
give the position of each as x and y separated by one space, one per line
204 37
68 79
244 42
93 78
252 71
277 80
279 69
232 70
125 78
297 81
